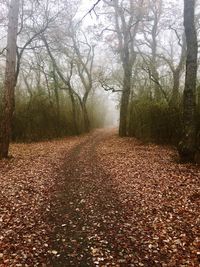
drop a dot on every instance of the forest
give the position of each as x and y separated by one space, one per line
99 133
61 76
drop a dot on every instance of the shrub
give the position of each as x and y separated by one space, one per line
156 122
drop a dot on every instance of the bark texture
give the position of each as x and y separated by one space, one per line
10 78
187 145
176 72
126 30
125 100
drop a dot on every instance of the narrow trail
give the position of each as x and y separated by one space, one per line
119 203
98 200
87 215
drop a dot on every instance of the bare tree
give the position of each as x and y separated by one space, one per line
127 17
187 146
176 69
151 31
66 81
10 78
85 71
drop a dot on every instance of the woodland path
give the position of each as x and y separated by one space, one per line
98 200
100 221
87 214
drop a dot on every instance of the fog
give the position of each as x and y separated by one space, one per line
102 56
80 62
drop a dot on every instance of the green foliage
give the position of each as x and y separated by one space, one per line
153 121
38 116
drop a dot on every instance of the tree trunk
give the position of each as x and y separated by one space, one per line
175 90
57 98
187 145
125 101
10 81
74 112
86 119
175 97
157 92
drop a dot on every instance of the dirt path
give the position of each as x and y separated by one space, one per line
87 214
98 200
121 204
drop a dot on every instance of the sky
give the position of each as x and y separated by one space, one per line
85 6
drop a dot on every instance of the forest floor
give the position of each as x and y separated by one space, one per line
98 200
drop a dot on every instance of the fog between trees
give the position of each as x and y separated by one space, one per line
73 68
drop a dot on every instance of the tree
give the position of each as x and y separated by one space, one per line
85 71
29 27
10 78
151 32
176 70
66 81
187 145
126 18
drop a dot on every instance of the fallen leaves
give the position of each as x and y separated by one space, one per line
98 200
161 197
27 181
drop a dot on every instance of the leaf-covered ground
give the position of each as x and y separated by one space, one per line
98 200
26 184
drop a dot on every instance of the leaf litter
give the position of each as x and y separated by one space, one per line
98 200
27 182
